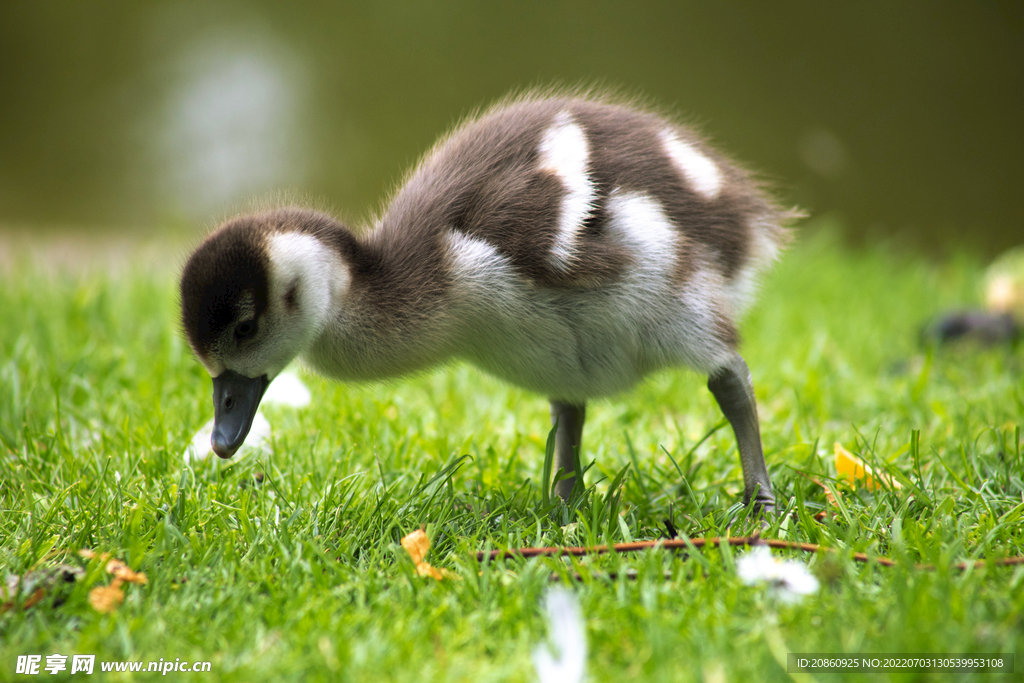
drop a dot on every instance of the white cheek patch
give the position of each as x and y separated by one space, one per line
296 257
700 172
314 278
564 152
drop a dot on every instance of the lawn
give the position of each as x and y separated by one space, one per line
287 564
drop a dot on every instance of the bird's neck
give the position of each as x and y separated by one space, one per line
388 319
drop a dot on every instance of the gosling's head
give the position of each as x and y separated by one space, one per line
254 295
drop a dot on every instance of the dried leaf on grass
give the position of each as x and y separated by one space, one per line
121 571
417 544
116 567
106 599
853 469
90 554
828 493
819 516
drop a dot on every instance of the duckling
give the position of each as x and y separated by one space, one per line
568 245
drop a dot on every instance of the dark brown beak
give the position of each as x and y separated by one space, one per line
235 400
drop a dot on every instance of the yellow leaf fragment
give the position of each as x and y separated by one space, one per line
122 571
106 599
424 569
1004 283
417 544
852 468
116 567
89 554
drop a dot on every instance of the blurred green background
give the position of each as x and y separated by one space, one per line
901 118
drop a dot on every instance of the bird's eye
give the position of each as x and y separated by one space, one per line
245 329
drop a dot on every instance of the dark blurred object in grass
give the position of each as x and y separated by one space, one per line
28 590
982 327
1004 300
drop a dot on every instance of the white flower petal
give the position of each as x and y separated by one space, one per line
787 580
798 580
565 624
287 390
200 448
259 435
757 565
258 439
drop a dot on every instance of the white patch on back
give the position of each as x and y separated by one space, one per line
701 173
485 280
679 326
764 249
508 327
573 344
640 222
564 152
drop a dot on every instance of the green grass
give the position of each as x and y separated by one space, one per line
300 575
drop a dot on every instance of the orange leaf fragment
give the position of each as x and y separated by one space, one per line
122 571
417 544
116 567
425 569
89 554
850 467
828 494
35 597
106 599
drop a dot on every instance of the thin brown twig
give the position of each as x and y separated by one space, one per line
684 544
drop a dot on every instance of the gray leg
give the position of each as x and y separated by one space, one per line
567 439
734 392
